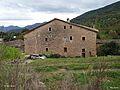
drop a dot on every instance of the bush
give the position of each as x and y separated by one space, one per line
52 79
9 53
111 48
113 74
80 78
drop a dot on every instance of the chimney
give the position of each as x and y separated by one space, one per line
68 20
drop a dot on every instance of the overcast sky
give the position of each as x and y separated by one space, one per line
27 12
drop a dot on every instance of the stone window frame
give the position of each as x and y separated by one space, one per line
46 49
65 49
83 38
65 27
83 50
71 27
49 29
46 39
71 38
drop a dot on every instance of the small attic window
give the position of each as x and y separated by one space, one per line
64 27
70 27
46 39
71 38
49 29
83 38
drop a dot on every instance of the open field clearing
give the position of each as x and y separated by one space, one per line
95 73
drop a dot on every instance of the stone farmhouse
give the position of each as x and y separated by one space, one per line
61 37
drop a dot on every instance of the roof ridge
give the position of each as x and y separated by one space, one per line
78 25
92 29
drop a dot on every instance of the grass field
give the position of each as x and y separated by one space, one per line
94 73
79 70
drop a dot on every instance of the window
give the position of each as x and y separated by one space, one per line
83 38
70 27
65 49
46 39
70 37
64 27
46 49
50 29
83 50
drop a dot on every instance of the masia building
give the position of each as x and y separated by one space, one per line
61 37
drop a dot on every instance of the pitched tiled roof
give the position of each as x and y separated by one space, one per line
82 26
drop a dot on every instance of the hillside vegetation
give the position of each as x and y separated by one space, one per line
106 19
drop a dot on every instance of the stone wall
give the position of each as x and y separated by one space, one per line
56 36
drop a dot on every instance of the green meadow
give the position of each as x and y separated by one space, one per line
83 72
93 73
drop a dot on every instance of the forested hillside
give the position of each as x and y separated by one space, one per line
106 19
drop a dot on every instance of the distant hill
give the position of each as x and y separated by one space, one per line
106 19
19 29
6 29
32 26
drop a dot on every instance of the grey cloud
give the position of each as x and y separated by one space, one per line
55 6
47 6
55 9
64 6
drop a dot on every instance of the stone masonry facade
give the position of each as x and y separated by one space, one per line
61 37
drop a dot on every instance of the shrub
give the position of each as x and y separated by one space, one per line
9 53
113 74
111 48
52 79
80 78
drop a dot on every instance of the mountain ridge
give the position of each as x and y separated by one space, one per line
106 19
13 28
